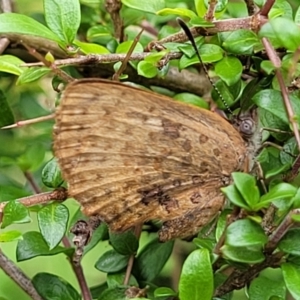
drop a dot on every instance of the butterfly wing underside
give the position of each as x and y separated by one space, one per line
130 156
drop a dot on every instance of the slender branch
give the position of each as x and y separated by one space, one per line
267 7
29 121
113 7
59 194
17 275
33 184
288 106
77 268
250 7
210 14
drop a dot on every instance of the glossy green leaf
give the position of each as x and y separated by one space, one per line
291 275
90 48
21 24
152 6
63 18
243 233
144 268
249 255
233 194
51 174
229 69
240 41
155 57
10 236
114 293
11 64
50 287
191 99
290 243
164 292
34 245
272 101
146 69
6 115
281 190
196 279
246 185
117 279
262 288
209 53
285 31
32 74
15 212
111 261
53 221
125 243
183 12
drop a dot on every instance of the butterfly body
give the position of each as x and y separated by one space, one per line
131 156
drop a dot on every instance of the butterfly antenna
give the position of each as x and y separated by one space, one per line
188 33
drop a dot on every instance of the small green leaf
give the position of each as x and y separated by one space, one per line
233 194
15 212
50 287
240 41
266 288
111 262
10 236
272 101
229 69
53 221
117 279
63 18
11 64
152 6
155 57
21 24
6 115
285 31
125 243
290 243
196 279
281 190
164 292
114 293
32 74
34 245
177 11
51 174
209 53
125 47
291 275
246 185
89 48
144 267
191 99
243 233
250 255
146 69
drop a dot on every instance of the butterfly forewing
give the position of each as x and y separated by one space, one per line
130 156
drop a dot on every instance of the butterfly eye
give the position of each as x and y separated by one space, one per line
247 127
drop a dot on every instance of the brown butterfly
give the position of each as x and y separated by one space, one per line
130 156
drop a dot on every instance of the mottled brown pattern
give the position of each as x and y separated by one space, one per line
130 156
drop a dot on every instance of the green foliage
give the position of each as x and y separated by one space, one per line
252 234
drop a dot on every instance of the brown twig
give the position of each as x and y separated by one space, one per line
36 189
29 121
17 275
267 7
127 57
137 232
59 194
77 268
277 63
210 14
113 7
6 7
251 7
